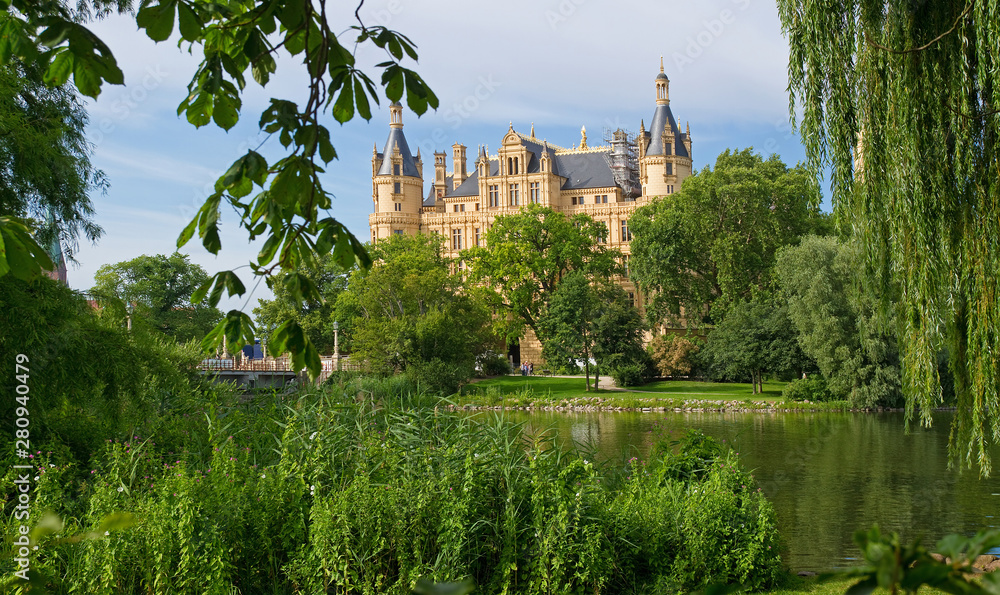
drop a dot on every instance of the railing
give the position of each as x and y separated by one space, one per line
272 364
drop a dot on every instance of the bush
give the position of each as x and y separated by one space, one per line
493 364
630 374
673 355
285 493
812 388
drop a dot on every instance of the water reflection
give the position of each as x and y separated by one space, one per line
827 474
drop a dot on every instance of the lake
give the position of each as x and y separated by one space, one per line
828 474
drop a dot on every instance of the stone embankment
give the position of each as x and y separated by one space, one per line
665 405
986 563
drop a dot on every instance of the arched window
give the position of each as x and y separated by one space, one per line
510 165
515 165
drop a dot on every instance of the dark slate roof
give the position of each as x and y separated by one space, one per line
583 170
431 200
663 117
395 139
470 187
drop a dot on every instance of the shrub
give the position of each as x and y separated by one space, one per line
812 388
493 364
288 493
635 374
673 355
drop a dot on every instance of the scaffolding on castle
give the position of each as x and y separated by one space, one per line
623 159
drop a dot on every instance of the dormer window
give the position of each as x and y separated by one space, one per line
395 170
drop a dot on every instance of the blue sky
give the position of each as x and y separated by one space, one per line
560 64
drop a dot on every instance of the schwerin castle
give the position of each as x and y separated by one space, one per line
608 182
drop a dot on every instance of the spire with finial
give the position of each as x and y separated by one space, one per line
661 63
583 137
532 130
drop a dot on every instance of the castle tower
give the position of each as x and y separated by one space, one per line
460 174
397 185
665 152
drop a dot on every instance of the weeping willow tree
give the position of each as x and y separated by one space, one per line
900 100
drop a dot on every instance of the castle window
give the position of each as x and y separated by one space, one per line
626 232
543 165
515 195
395 187
581 200
477 236
601 199
462 207
668 149
535 192
510 165
456 239
515 165
572 200
477 206
603 236
395 169
631 299
494 196
670 169
397 232
398 206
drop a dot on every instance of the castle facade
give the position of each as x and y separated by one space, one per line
608 182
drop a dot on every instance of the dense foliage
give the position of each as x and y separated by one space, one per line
754 339
409 313
365 489
711 245
88 380
237 40
315 316
526 256
156 290
902 101
45 172
838 323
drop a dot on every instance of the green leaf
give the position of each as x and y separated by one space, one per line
392 79
157 20
226 113
59 69
188 22
85 76
188 232
364 108
199 111
55 34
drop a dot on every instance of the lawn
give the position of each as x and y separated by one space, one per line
556 389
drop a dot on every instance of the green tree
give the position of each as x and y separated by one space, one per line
618 334
900 100
240 40
89 380
566 327
526 256
45 171
409 313
754 339
315 317
159 290
710 246
838 323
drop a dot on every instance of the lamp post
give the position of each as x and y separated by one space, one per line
336 343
